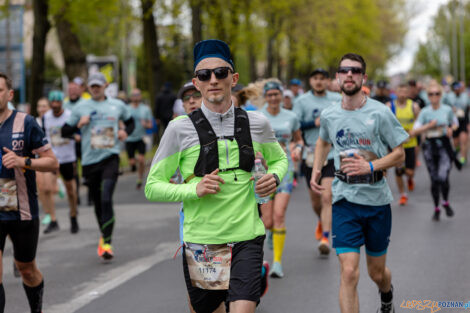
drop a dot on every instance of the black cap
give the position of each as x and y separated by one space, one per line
382 84
320 71
412 83
456 85
188 86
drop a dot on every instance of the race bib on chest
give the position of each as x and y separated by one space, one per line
8 195
435 133
102 137
209 265
56 138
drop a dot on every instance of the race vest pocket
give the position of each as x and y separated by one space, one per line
102 137
209 265
8 195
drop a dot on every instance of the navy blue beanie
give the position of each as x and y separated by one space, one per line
212 48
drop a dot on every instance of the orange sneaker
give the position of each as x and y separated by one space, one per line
411 184
105 251
403 200
318 231
324 246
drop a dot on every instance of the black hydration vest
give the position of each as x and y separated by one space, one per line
209 153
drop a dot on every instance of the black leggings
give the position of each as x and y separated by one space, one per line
439 164
102 179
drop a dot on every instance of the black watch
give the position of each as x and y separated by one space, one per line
27 161
278 181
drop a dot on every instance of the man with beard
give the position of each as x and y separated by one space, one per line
308 108
360 129
64 150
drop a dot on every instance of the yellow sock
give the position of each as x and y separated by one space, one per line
279 236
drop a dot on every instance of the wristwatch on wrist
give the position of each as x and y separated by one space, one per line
27 162
278 182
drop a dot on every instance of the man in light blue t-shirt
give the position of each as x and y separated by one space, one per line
98 120
361 130
135 142
308 108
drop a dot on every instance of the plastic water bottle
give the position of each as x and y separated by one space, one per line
258 172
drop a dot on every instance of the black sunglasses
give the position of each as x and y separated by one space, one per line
431 94
353 69
219 72
195 95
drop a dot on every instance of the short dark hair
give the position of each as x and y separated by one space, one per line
354 57
7 80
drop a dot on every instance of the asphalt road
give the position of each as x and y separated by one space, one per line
428 260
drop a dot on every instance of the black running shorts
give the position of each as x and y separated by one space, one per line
245 278
24 236
327 171
68 170
132 146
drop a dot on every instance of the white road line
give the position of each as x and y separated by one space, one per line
98 287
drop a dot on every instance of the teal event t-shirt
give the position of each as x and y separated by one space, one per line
308 108
372 128
99 137
444 115
283 124
139 113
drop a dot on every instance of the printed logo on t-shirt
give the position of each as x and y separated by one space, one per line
102 137
56 137
346 138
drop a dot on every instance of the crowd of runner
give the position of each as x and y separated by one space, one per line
338 131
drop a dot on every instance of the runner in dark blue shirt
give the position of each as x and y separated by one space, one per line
21 139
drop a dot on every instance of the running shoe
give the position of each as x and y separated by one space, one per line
133 168
264 278
386 307
46 220
411 184
138 185
52 227
319 231
435 216
418 163
463 160
270 239
74 228
449 211
324 246
276 271
105 251
294 183
403 200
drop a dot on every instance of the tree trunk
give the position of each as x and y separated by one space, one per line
196 22
291 58
270 45
151 51
74 57
41 27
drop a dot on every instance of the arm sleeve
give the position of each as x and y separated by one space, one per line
390 129
164 165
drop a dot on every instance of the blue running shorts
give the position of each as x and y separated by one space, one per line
355 225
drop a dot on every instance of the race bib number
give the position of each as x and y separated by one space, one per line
460 113
209 265
310 158
102 137
8 195
435 133
56 138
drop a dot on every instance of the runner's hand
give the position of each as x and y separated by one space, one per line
10 159
122 135
266 185
314 185
317 122
209 184
77 137
355 165
296 154
432 124
84 120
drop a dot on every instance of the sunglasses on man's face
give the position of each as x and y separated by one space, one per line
353 69
432 94
219 72
195 95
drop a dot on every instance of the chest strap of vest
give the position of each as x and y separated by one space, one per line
208 159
